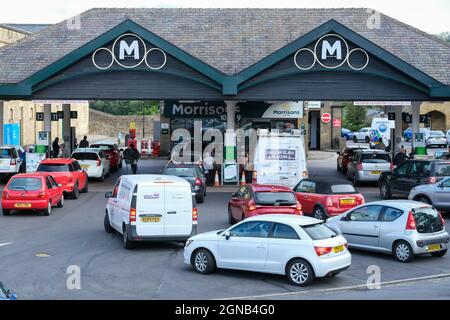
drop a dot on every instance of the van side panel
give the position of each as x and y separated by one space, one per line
122 203
150 211
178 200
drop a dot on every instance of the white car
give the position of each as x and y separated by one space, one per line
435 138
150 207
301 248
10 162
362 134
94 161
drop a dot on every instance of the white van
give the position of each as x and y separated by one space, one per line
280 158
150 207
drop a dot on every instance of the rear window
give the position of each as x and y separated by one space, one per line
319 231
27 184
6 153
85 156
343 188
53 168
180 172
270 198
375 158
442 169
427 220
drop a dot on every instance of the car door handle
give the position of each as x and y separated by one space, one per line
171 212
375 227
261 246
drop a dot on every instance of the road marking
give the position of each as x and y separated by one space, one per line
5 244
331 290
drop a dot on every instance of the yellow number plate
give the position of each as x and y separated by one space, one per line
375 172
150 219
338 249
22 205
433 247
347 201
85 166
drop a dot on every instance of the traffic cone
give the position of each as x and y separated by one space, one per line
243 182
216 180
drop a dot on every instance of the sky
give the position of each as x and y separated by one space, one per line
432 16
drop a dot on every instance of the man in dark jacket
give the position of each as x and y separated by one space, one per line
400 157
55 148
131 156
84 143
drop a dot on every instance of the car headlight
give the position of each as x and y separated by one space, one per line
188 243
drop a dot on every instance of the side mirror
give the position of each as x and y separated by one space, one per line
344 218
108 195
227 234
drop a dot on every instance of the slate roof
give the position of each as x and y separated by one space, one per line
229 40
28 28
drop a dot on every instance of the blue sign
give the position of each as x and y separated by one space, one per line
11 134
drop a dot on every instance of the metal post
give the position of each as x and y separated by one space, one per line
66 127
415 126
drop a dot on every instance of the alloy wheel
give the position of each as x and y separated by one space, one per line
201 261
299 273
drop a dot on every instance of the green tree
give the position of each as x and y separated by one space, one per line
126 107
354 117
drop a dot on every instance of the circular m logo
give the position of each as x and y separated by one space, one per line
331 51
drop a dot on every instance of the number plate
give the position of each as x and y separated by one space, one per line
433 247
347 201
22 205
375 172
150 219
338 249
84 166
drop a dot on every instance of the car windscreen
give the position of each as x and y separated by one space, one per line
180 172
102 146
319 231
427 220
442 169
6 153
54 167
271 198
27 184
342 188
85 156
375 158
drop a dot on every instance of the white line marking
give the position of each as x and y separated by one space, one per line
329 290
5 244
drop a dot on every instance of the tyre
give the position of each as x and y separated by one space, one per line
48 211
300 273
230 217
367 139
61 202
74 193
319 213
200 199
355 180
127 243
423 199
102 178
203 261
439 254
355 139
107 224
403 251
86 187
6 212
385 191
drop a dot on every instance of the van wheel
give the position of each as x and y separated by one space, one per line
385 191
47 211
230 217
6 212
107 224
203 261
300 273
127 243
403 251
439 254
319 213
61 202
74 193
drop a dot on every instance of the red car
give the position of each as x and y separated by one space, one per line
256 199
345 157
326 197
112 151
68 173
32 191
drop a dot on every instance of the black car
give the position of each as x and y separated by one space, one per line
412 173
191 173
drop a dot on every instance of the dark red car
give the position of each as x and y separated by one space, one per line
68 173
32 191
113 152
345 156
256 199
326 197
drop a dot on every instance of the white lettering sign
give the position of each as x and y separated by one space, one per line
132 49
331 49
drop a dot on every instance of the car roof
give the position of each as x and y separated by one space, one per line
31 175
286 218
329 180
182 165
103 143
268 187
152 179
93 150
58 160
372 151
400 204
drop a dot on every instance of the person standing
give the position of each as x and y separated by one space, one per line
400 157
208 165
84 143
131 156
55 148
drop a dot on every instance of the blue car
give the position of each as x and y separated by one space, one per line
6 294
347 134
407 134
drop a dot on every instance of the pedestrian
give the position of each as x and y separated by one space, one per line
55 148
64 153
248 169
208 165
131 156
84 143
400 157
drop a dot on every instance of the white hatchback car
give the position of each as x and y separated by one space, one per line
301 248
94 161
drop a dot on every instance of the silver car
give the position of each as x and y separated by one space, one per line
437 194
403 228
367 165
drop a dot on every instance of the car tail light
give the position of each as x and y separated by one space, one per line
13 162
41 195
411 222
391 166
323 250
361 200
359 166
442 219
194 215
431 180
251 205
5 195
198 182
132 215
298 207
99 162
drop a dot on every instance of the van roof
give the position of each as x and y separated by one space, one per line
152 179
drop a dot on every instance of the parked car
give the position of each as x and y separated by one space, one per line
32 191
345 156
259 199
113 152
149 207
94 161
367 165
327 197
10 161
362 134
191 173
347 134
436 194
68 173
410 174
435 138
6 294
400 227
301 248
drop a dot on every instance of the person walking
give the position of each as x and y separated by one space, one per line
131 156
400 157
208 165
55 148
84 143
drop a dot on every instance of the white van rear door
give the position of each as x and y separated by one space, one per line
178 216
150 215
